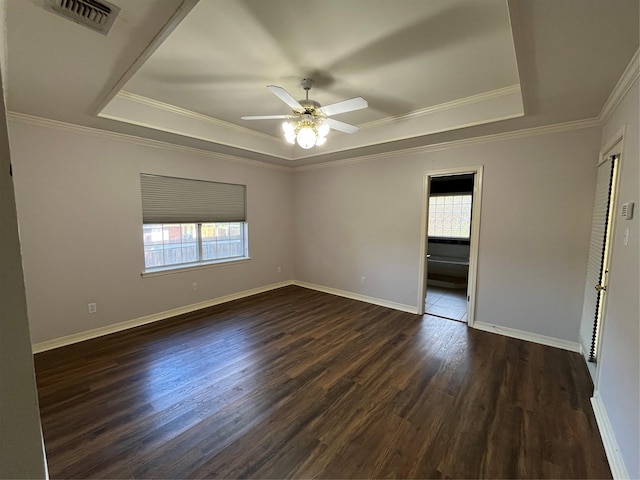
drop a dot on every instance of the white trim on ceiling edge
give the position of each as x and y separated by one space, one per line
146 142
611 447
625 82
136 109
527 132
137 322
496 137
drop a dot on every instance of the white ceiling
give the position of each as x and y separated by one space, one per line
185 72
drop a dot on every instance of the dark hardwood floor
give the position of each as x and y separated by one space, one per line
297 383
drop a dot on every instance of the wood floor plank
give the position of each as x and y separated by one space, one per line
295 383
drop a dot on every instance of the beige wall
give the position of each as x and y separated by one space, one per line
618 373
79 207
365 219
21 446
78 202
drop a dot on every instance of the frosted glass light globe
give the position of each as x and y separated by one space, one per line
287 127
306 137
323 129
321 141
290 137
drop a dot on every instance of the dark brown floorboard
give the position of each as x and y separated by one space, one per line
297 383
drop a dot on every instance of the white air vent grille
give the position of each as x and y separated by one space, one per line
97 15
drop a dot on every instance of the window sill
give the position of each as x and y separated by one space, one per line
154 272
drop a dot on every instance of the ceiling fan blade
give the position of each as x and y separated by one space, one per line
265 117
340 126
344 106
283 95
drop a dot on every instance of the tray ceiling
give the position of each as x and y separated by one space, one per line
423 67
185 71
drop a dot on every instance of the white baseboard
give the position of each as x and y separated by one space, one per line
136 322
356 296
528 336
616 463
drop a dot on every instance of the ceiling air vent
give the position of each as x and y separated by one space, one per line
97 15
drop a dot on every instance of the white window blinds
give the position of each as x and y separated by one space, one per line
591 308
182 200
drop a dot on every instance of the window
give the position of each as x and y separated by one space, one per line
450 216
187 243
191 222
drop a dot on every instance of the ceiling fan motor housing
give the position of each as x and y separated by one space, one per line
311 107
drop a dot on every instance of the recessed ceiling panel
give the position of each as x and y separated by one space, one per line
405 58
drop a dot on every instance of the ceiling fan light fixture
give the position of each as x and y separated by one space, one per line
288 127
290 137
306 137
308 127
323 130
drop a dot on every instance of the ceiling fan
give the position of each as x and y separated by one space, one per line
310 123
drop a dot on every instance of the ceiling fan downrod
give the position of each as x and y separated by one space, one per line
306 83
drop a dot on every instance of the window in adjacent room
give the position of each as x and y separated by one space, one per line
450 216
192 222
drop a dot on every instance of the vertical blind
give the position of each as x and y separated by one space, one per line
183 200
599 224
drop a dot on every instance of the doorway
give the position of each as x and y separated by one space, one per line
450 243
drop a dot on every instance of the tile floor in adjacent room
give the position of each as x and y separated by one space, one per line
447 302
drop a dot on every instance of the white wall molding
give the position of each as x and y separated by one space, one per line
481 97
189 113
528 132
137 322
137 110
155 317
616 463
486 107
629 76
356 296
480 109
528 336
497 137
145 142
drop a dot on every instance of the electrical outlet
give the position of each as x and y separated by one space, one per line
194 286
279 269
363 279
93 308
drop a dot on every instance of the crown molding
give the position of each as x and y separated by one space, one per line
146 142
487 107
138 110
527 132
481 97
629 76
134 97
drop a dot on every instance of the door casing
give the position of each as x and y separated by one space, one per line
474 240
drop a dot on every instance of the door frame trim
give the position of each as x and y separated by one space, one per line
476 206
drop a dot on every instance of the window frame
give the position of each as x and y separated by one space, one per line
448 239
185 266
